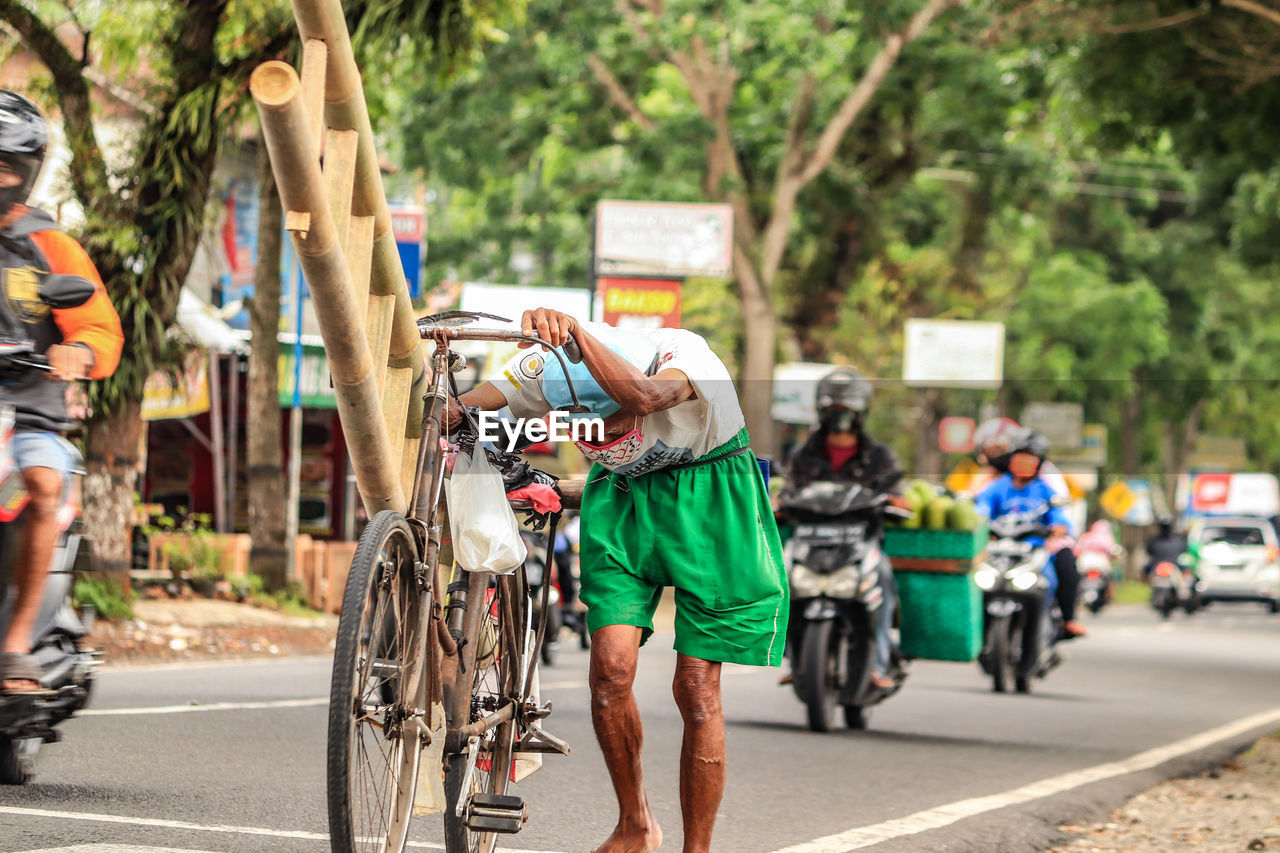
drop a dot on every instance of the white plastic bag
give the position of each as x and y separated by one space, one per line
486 537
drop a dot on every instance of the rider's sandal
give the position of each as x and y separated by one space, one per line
20 667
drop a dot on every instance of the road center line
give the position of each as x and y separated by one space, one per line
945 815
199 827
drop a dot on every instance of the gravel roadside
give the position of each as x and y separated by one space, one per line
1231 808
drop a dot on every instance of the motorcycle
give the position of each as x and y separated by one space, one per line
1173 587
27 722
1097 578
834 562
1022 622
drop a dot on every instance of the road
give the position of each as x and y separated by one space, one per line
230 758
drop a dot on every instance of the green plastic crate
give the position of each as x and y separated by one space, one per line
941 615
935 544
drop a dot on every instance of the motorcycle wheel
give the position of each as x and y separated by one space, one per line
1022 684
856 717
998 654
826 649
18 760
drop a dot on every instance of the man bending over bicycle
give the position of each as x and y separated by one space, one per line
675 498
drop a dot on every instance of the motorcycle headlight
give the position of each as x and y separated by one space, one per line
986 577
844 583
1024 580
805 582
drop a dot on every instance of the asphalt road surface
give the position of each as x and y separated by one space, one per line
231 757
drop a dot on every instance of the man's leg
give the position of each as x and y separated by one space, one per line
884 627
34 554
702 755
614 650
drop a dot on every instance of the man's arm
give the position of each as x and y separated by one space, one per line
485 395
92 337
634 392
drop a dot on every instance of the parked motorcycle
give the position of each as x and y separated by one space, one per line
834 564
1173 587
27 722
1022 623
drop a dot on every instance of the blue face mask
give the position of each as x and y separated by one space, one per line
637 349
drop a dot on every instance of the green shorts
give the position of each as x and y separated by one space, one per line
709 532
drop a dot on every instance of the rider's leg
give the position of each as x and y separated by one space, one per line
1068 586
702 757
614 650
884 627
35 552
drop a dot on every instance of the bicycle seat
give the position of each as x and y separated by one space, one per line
459 318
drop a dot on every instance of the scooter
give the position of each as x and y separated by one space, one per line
1173 587
27 722
1097 578
1022 621
834 563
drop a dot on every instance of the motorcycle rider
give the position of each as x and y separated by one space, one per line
1021 490
840 451
80 343
1166 546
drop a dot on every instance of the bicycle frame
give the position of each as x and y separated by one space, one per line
458 620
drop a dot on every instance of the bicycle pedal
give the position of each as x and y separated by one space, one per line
496 813
540 740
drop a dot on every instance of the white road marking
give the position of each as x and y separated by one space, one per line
945 815
114 848
194 827
212 706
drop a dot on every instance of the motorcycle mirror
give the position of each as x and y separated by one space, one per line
1060 500
65 291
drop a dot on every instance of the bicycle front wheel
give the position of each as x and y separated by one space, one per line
375 741
495 678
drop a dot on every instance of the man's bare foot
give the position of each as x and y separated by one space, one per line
629 840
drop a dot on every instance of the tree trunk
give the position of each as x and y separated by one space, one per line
111 477
928 452
264 456
756 375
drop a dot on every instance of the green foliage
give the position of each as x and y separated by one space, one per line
194 554
104 596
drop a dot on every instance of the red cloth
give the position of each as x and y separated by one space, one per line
540 495
840 455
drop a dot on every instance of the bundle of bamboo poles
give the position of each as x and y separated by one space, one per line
338 221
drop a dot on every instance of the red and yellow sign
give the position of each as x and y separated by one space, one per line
637 302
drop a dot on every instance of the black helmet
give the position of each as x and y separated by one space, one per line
842 398
1165 522
23 135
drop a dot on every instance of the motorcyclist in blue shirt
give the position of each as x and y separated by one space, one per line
1021 491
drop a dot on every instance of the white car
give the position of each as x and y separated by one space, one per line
1239 560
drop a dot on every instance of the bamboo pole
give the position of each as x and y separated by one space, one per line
345 109
360 233
339 179
287 129
314 59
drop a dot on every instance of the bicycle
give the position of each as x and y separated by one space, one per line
433 683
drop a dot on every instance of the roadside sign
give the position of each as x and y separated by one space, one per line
1219 453
1256 494
409 226
663 240
955 435
953 353
640 303
1118 500
794 385
1061 423
1092 452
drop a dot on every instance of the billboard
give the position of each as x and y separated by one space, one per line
663 240
956 353
794 385
639 303
409 226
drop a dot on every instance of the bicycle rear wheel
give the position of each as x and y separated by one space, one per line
495 679
375 741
